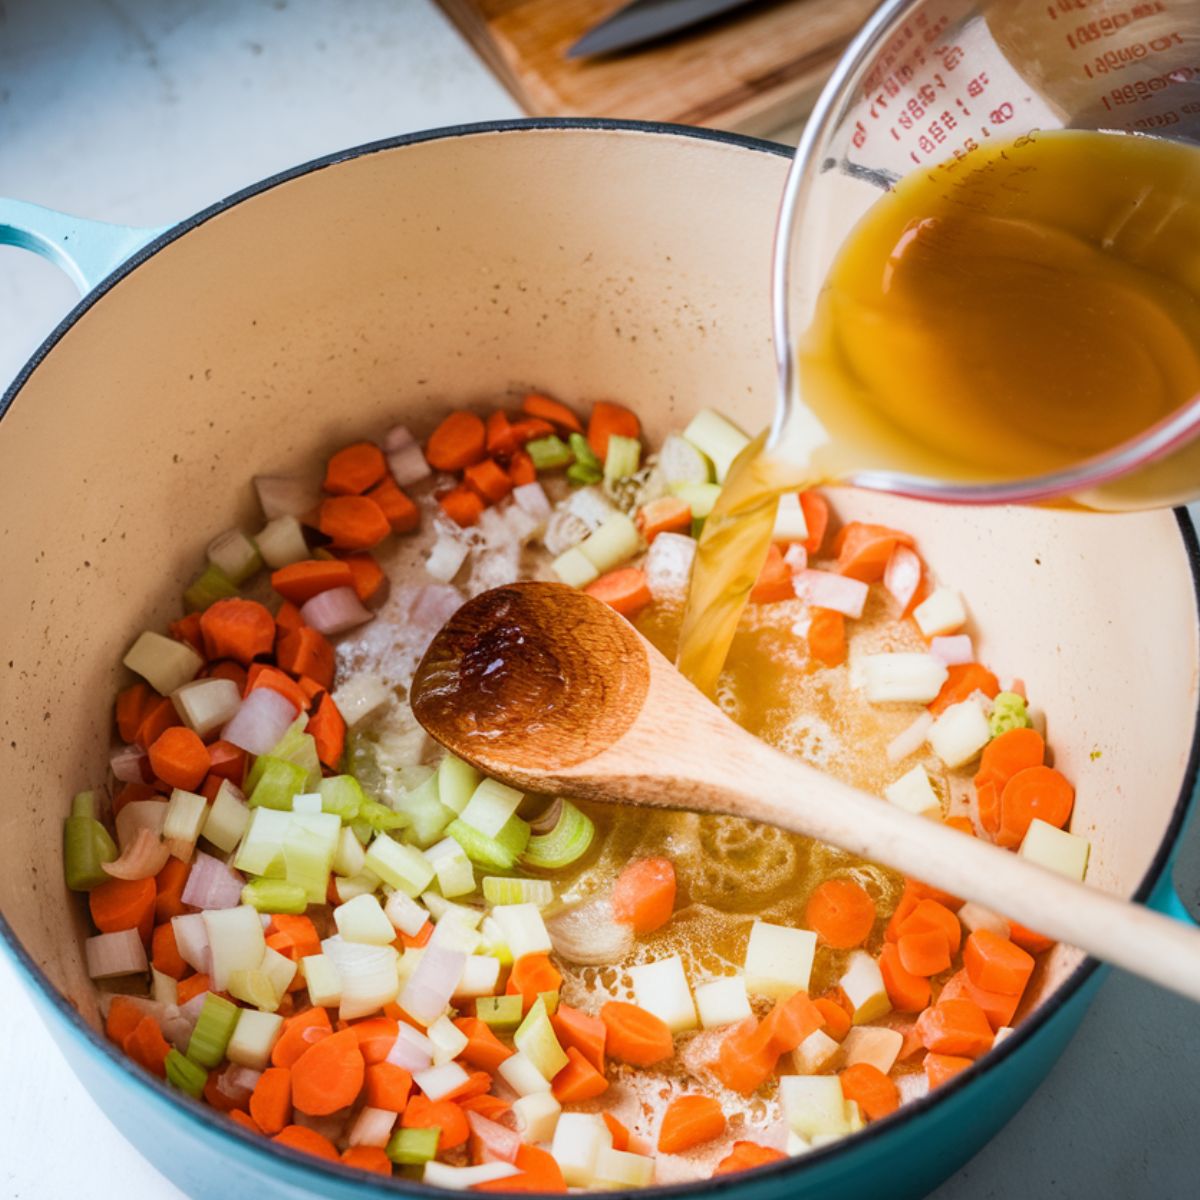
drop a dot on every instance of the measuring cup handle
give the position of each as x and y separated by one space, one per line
88 251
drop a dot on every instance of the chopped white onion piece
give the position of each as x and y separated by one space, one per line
235 937
397 438
461 1178
480 977
405 913
427 993
668 564
372 1127
408 465
139 815
437 1082
914 793
446 557
825 589
796 557
910 739
902 677
902 575
448 1040
872 1044
953 651
191 937
126 764
411 1050
520 1073
496 1142
334 611
940 613
264 717
164 663
204 705
282 495
146 856
110 955
362 920
586 933
531 498
281 542
960 733
212 884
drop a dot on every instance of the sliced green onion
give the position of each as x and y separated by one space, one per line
275 896
86 846
411 1147
585 456
581 475
518 891
500 1012
214 1027
623 458
342 795
426 815
277 782
548 452
536 1040
499 853
456 782
254 987
211 585
568 839
185 1075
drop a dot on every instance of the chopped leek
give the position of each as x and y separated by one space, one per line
426 814
275 896
411 1147
402 867
185 1075
623 458
86 846
1008 712
490 806
214 1027
211 585
342 795
227 818
567 841
498 890
455 875
456 782
717 439
499 853
501 1013
378 818
548 452
535 1039
235 554
274 781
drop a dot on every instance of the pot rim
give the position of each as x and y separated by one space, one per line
214 1122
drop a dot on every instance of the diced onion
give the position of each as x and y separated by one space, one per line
531 498
397 438
335 611
261 722
825 589
796 556
953 650
110 955
902 576
126 764
282 495
427 993
497 1142
191 938
146 856
408 465
432 606
587 934
211 884
411 1050
139 815
910 740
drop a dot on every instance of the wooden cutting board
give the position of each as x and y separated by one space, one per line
752 71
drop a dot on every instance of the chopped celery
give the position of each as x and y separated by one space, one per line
523 929
717 439
185 1075
490 806
261 851
579 475
235 554
500 1012
426 814
362 884
274 781
1008 712
584 455
411 1147
455 875
613 543
456 781
402 867
86 846
700 497
574 568
623 458
308 851
349 857
548 452
535 1039
211 585
295 747
499 853
275 896
227 818
567 841
214 1027
342 795
518 891
254 987
362 920
235 937
379 818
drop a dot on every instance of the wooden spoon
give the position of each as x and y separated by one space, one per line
549 690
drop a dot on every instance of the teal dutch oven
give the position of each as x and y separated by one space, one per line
377 285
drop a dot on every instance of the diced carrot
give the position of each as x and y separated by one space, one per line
521 469
690 1121
301 581
995 963
874 1093
789 1023
492 1107
401 513
578 1029
997 1007
245 1120
271 1100
300 1137
227 669
307 652
193 986
815 508
744 1061
774 582
351 471
930 914
328 729
608 419
133 703
578 1080
924 952
159 717
214 1097
1035 943
624 589
962 681
179 758
376 1036
827 637
369 578
940 1067
667 514
863 550
123 1018
445 1115
644 894
841 913
635 1036
1004 756
498 435
287 620
483 1049
745 1156
301 935
925 891
311 688
165 954
262 675
528 428
532 974
227 761
459 441
123 904
187 629
1040 792
837 1019
420 938
477 1083
462 505
238 629
618 1132
489 479
539 1172
988 800
907 991
147 1046
328 1075
955 1027
536 405
367 1158
353 522
387 1086
299 1033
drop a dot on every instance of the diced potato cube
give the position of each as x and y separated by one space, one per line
863 986
874 1045
662 988
914 793
536 1116
974 916
790 525
322 979
578 1140
813 1104
779 960
722 1002
960 733
902 678
940 613
1056 849
815 1053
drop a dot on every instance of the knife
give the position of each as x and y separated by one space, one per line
646 20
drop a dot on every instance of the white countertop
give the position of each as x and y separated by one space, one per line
142 111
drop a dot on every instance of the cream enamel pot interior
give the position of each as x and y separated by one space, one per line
589 259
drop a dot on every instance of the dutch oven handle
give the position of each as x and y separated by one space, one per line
88 251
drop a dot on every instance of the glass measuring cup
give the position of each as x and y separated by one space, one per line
924 82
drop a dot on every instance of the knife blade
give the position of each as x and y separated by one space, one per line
646 20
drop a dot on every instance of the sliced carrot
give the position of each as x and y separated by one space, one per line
827 637
462 505
376 1036
995 963
1007 754
585 1033
477 1083
528 428
1040 792
1035 943
874 1093
367 1158
962 681
987 797
492 1107
906 991
165 955
445 1115
133 703
369 578
539 1172
997 1007
863 550
841 913
606 420
536 405
955 1027
815 508
789 1023
483 1049
214 1097
624 589
941 1067
187 629
690 1121
744 1061
498 435
925 952
837 1019
179 758
668 514
300 1137
287 620
245 1120
774 582
271 1100
489 479
930 914
193 986
401 513
263 675
328 1075
353 522
238 629
351 471
745 1156
644 894
123 904
387 1086
328 729
618 1132
123 1018
299 1033
531 975
147 1046
160 716
302 936
635 1036
227 761
458 442
578 1080
309 653
301 581
521 469
962 824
